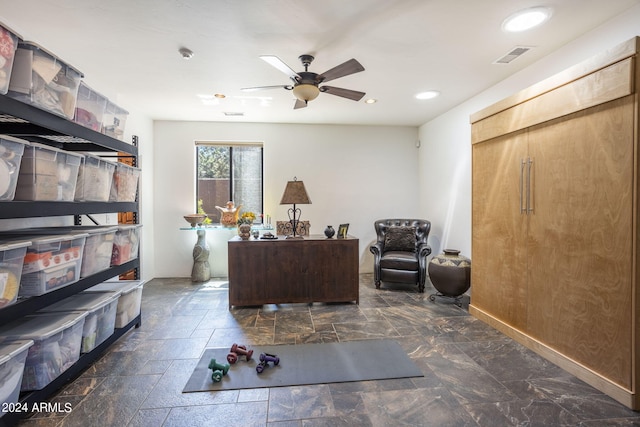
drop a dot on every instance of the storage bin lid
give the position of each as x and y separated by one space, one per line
74 230
14 140
7 245
82 301
37 238
122 286
10 30
22 44
40 326
11 349
56 149
125 227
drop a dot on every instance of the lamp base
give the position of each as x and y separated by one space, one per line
294 237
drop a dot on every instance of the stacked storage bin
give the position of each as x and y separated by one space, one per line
129 301
51 262
11 260
126 244
13 356
56 337
100 309
114 120
95 178
43 80
11 151
47 173
125 183
8 45
89 108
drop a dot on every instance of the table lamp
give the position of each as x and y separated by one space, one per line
295 194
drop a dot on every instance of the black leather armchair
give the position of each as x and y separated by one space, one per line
401 250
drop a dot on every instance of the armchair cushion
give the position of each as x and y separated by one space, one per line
400 238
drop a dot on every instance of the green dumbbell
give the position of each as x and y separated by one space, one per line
218 370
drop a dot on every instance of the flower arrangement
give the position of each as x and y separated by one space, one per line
246 218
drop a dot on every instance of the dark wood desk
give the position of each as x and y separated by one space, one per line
313 269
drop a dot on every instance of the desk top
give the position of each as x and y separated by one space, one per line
312 237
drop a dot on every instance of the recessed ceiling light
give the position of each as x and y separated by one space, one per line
526 19
430 94
370 101
220 95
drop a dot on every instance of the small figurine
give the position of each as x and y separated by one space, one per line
229 214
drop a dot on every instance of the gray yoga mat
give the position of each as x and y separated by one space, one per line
305 364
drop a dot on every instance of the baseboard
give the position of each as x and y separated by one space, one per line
615 391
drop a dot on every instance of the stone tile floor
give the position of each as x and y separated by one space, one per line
473 375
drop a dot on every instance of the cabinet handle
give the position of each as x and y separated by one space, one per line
529 195
522 208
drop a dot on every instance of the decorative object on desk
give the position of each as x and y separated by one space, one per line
268 236
329 231
229 214
295 194
450 274
195 220
283 228
201 271
255 234
342 231
244 225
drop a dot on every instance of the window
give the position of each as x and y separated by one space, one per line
228 172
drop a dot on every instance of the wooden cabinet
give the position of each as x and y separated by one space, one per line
555 219
313 269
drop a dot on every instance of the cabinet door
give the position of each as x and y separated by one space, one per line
498 276
580 237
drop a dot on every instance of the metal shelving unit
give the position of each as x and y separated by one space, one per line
35 125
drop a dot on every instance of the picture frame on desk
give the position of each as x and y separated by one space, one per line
342 231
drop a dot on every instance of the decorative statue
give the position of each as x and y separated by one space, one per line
201 271
229 214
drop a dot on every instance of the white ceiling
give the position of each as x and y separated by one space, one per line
128 50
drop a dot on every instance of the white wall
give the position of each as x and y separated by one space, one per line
353 174
445 161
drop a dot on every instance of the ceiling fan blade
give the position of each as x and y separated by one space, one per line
345 93
256 88
279 64
299 104
350 67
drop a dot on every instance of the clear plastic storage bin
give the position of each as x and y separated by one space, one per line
125 183
51 262
57 338
114 120
47 174
89 108
41 79
13 356
8 45
95 178
11 260
129 301
11 150
126 244
101 315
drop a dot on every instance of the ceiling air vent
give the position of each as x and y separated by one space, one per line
233 114
513 54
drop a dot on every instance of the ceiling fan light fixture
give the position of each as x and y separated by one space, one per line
526 19
306 92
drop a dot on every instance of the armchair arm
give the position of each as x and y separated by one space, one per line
376 250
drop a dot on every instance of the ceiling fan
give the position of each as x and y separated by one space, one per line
306 85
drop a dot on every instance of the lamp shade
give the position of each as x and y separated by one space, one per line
306 92
295 194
